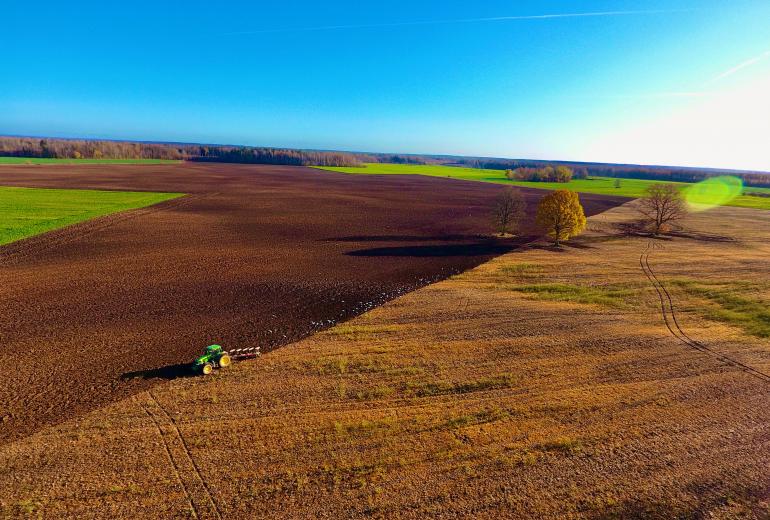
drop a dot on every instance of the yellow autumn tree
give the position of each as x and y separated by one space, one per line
561 215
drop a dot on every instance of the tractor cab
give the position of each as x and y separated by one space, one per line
213 350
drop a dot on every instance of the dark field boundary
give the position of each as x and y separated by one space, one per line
254 255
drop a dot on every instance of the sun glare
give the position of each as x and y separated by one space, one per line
722 128
714 192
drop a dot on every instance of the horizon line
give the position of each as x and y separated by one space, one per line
413 154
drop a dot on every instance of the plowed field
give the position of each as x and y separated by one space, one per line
253 255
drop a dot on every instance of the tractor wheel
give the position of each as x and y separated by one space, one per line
207 369
225 360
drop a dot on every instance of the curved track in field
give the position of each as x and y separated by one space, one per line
672 323
253 255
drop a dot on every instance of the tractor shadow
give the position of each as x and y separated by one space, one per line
170 372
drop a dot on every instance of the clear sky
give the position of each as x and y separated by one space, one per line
682 82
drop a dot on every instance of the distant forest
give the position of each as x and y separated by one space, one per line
559 173
94 149
658 173
83 149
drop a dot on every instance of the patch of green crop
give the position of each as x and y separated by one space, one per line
731 307
362 330
25 212
47 160
521 269
607 295
632 188
364 426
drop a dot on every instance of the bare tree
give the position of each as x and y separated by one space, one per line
510 208
662 206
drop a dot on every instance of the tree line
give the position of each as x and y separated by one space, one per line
251 155
94 149
86 149
548 173
624 171
101 149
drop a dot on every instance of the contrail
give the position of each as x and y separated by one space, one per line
462 20
747 63
661 95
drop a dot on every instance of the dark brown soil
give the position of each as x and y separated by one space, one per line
254 255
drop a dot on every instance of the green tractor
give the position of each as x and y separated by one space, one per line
215 357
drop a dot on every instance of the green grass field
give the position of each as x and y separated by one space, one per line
37 160
25 212
632 188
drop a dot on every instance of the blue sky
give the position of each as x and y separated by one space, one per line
676 82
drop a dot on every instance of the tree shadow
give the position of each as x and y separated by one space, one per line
577 245
632 228
701 237
439 250
639 228
548 247
169 372
403 238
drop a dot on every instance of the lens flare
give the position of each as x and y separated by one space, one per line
713 192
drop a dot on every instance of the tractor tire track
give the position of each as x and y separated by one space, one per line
187 451
202 502
672 323
170 457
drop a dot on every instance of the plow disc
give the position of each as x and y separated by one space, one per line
244 353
